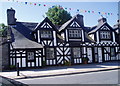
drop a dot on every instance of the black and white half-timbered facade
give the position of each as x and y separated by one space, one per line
42 44
104 35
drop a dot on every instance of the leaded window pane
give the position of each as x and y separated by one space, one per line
105 35
30 55
50 53
46 34
74 33
76 52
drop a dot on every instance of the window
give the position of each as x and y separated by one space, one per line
46 34
75 33
49 53
105 35
76 52
30 56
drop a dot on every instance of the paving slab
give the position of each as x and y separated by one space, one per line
61 70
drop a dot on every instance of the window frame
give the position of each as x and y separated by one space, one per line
75 33
105 35
33 56
46 34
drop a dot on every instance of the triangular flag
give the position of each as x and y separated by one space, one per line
30 3
88 11
25 2
65 8
53 6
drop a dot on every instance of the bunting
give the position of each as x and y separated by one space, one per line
66 8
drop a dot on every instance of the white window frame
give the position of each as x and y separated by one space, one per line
46 34
75 34
105 35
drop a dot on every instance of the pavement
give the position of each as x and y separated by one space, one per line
62 70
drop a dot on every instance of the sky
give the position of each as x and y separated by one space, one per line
34 13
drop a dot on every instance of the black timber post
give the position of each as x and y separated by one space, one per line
18 73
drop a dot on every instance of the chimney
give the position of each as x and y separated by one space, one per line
11 20
102 20
80 19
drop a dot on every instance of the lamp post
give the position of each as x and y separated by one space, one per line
118 27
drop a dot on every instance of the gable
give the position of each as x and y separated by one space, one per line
45 25
74 24
101 27
105 28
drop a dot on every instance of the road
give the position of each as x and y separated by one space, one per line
104 77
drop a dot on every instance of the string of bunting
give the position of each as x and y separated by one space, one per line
68 9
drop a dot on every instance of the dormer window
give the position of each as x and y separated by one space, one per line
46 34
74 33
105 35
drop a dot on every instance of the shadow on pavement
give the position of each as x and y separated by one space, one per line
10 82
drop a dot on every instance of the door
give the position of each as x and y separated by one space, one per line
95 54
89 55
99 54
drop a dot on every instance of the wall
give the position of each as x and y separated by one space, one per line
4 54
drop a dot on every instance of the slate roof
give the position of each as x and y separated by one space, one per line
87 29
97 27
64 26
21 36
26 29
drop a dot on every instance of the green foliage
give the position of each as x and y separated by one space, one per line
2 26
2 29
67 63
58 15
85 59
12 66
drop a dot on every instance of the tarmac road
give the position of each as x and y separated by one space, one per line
103 77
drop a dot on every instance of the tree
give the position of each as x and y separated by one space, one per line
58 15
2 26
3 29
